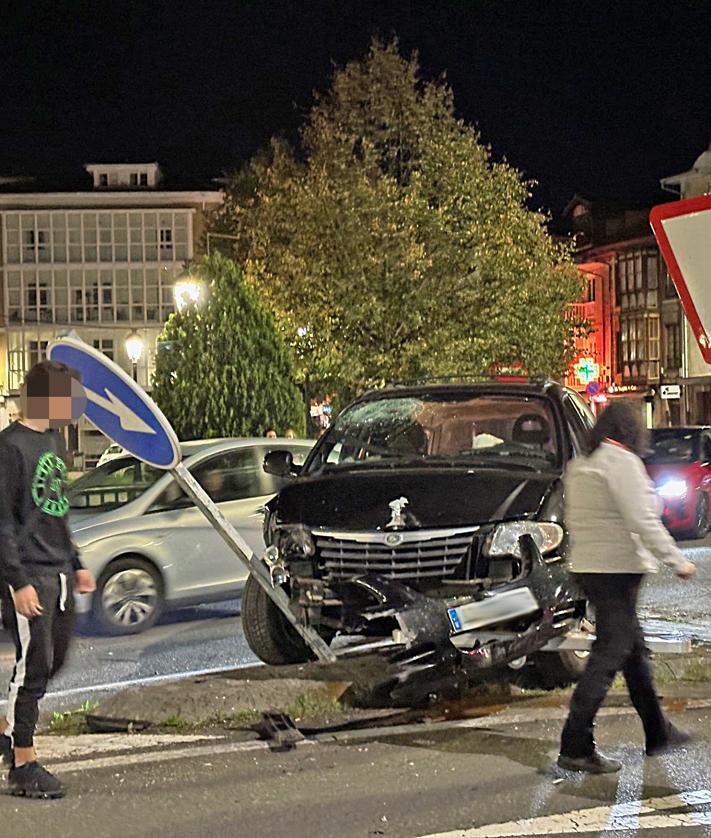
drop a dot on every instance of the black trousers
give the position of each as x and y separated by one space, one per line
619 647
41 646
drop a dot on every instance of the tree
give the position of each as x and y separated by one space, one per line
222 369
398 247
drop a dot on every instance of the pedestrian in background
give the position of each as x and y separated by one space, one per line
39 565
616 537
270 434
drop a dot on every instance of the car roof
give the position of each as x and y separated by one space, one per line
534 387
191 448
196 446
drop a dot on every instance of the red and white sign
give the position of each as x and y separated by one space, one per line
683 231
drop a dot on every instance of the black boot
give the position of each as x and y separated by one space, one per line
32 780
675 738
596 763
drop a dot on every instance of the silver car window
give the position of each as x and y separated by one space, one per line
112 484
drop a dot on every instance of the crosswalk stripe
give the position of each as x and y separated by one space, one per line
643 814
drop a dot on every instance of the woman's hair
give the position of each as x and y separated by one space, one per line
622 422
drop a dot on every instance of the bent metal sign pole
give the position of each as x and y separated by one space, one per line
121 410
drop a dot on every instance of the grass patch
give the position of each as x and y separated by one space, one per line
697 671
175 724
72 722
314 705
243 719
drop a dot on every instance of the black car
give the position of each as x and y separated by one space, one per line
431 517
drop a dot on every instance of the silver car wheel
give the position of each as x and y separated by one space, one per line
130 597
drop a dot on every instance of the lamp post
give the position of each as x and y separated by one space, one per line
134 350
188 290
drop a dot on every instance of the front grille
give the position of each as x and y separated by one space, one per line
396 555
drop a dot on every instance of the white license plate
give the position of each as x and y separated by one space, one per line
499 608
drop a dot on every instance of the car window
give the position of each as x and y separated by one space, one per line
706 452
673 445
580 420
232 475
487 428
112 484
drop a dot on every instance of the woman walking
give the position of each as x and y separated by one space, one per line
616 537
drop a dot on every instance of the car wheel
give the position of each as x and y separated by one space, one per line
268 633
701 516
561 669
129 597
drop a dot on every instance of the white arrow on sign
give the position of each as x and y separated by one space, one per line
128 420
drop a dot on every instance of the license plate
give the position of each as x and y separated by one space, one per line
499 608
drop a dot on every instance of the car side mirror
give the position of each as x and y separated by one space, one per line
280 463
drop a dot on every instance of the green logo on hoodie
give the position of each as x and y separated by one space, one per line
49 484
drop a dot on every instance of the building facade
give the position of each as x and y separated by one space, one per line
100 261
637 320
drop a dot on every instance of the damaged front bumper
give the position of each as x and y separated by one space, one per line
441 644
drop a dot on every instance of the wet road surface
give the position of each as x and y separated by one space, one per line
495 779
211 637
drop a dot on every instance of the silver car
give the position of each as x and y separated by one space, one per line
147 544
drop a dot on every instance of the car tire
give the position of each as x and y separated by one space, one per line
559 669
701 516
129 597
267 631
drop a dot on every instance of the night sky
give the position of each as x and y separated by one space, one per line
598 97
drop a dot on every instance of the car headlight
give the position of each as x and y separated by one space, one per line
504 541
673 489
295 540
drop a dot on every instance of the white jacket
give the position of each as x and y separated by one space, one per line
612 515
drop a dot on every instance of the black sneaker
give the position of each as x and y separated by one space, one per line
32 780
596 763
675 739
6 752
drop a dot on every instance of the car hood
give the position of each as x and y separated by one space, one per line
436 497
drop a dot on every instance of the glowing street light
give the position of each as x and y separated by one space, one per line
188 291
134 349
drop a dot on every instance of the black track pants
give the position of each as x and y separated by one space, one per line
619 647
41 646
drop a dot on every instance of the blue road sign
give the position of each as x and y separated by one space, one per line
118 406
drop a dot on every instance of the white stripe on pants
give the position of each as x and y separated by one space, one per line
18 673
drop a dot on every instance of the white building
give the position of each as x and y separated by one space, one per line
100 261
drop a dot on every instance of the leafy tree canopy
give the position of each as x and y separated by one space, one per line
392 245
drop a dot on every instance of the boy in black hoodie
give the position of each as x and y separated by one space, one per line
39 565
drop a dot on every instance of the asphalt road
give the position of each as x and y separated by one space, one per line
211 638
495 779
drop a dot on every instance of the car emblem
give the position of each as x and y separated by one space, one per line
397 512
393 539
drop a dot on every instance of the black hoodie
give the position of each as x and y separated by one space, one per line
34 536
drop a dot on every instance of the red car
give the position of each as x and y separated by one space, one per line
679 463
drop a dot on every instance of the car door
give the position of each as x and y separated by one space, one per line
201 564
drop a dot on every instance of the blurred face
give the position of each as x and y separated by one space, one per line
53 401
290 434
270 435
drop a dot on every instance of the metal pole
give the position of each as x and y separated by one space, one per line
255 565
135 371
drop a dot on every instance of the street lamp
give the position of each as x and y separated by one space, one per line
188 291
134 350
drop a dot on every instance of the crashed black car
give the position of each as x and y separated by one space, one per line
429 519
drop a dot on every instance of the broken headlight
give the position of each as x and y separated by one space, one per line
294 540
504 541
